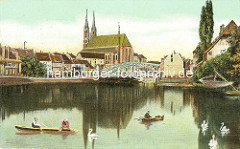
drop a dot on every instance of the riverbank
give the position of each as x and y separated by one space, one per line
6 81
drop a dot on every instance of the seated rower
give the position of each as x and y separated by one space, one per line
35 123
147 115
65 124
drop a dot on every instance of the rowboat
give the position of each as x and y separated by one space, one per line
44 129
156 118
211 82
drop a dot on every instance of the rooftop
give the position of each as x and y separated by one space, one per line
108 41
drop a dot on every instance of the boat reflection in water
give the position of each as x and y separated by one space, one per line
108 109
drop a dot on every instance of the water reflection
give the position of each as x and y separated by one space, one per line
112 107
215 108
108 107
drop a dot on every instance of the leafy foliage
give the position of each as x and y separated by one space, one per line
235 51
205 28
221 63
32 68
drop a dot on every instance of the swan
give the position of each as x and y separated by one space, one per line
224 130
213 143
204 127
91 136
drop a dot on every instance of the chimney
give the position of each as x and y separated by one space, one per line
8 50
221 29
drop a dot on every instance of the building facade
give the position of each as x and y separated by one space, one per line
174 64
10 63
220 44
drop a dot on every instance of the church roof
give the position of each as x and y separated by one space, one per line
108 41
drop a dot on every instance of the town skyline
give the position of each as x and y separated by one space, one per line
153 33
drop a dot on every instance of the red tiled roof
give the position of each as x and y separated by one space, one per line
142 56
135 54
154 62
22 52
56 58
43 57
227 32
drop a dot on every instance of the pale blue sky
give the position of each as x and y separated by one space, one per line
154 27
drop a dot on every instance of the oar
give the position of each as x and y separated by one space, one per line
44 125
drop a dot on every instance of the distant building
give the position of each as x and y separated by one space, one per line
108 49
57 62
136 58
71 56
10 64
67 63
95 59
45 59
188 65
23 52
174 64
143 59
220 44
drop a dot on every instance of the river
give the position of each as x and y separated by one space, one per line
113 113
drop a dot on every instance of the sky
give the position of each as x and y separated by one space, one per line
154 27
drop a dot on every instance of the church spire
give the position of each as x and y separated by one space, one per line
94 29
86 31
86 19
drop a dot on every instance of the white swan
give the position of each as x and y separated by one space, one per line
204 127
224 130
213 143
91 136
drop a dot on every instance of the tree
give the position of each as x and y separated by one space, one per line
209 22
221 63
32 68
206 28
234 41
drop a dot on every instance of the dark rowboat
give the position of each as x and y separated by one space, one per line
156 118
44 129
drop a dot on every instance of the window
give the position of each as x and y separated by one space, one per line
116 57
171 58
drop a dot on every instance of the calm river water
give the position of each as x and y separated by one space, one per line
113 111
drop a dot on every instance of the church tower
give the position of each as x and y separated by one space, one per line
94 29
86 32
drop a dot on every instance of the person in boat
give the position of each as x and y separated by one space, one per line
65 124
35 123
147 115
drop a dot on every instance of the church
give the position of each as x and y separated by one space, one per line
105 50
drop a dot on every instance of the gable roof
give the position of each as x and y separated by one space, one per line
154 62
43 57
108 41
226 32
86 63
72 55
142 56
56 58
